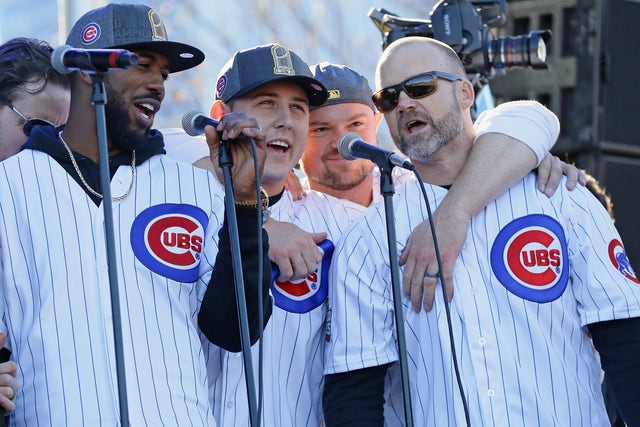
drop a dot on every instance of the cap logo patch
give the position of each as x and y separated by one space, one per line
158 32
302 296
220 86
530 259
90 33
282 63
334 94
168 239
620 261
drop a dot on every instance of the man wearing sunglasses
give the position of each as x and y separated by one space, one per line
545 297
31 92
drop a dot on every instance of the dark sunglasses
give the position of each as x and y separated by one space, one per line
28 125
416 87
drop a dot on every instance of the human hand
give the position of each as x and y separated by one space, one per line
8 381
293 185
419 256
231 127
294 250
550 172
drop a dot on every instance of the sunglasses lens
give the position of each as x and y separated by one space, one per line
29 124
386 99
420 86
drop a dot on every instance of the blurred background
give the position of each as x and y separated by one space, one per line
591 82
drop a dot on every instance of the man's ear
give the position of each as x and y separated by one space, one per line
219 109
468 94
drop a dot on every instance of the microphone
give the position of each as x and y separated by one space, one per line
66 59
194 123
352 147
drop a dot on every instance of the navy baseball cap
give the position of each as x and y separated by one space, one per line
254 67
343 84
131 27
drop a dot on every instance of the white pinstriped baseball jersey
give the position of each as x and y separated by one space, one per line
293 340
533 272
56 289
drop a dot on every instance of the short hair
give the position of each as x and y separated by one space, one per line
27 60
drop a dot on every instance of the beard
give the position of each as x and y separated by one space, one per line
120 130
341 181
444 130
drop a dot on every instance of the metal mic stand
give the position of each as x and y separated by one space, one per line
225 161
99 99
387 190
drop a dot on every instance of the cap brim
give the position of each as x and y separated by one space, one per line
181 56
316 92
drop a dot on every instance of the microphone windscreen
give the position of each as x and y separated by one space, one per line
57 59
344 145
188 123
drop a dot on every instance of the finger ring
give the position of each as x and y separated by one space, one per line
427 274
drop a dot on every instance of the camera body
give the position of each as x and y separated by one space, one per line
465 25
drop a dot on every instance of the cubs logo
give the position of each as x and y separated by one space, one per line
90 33
302 296
168 239
529 258
220 86
620 261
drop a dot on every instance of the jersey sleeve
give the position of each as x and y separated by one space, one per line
527 121
604 282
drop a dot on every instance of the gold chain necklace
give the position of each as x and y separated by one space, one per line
86 185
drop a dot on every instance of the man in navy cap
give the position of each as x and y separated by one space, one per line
171 255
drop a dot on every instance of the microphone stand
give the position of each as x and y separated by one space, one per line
387 190
99 99
225 161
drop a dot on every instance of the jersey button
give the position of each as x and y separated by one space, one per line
229 404
482 341
491 392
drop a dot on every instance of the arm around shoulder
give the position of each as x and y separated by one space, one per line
529 122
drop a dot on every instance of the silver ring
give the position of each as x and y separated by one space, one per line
434 275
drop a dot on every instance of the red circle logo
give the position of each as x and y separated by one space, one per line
175 240
90 33
620 261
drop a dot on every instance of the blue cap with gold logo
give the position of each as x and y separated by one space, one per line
131 27
254 67
343 84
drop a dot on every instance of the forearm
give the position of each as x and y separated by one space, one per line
355 398
218 317
618 343
512 140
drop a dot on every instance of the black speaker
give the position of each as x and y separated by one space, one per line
620 175
619 102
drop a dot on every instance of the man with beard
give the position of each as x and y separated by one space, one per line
543 302
502 154
171 245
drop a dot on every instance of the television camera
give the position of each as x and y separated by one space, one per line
465 25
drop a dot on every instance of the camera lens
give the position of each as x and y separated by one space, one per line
519 51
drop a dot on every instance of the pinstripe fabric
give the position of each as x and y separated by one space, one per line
523 363
293 342
57 304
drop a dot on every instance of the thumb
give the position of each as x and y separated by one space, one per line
318 237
